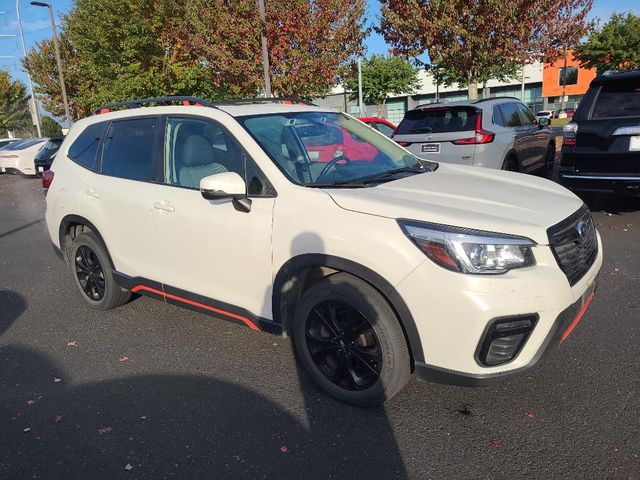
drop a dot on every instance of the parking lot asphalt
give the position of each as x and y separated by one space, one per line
153 391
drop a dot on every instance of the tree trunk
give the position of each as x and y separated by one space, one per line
473 90
381 107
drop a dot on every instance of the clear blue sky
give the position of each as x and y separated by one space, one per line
35 24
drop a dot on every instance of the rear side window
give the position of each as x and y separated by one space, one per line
510 115
84 150
130 150
438 120
619 99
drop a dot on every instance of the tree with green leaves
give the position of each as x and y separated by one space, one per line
472 39
613 46
383 76
15 116
50 128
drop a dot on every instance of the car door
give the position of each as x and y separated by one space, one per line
211 252
539 136
118 200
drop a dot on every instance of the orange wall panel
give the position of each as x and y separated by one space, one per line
551 78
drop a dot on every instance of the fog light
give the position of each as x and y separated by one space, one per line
505 338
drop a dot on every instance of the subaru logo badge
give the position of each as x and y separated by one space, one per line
428 137
582 228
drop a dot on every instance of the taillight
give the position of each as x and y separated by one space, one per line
47 178
481 136
569 133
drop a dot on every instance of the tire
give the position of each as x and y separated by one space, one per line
382 338
549 161
511 164
87 257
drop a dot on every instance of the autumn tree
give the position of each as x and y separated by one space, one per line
14 105
471 39
383 76
613 46
311 43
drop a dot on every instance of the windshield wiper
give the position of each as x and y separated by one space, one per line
420 130
349 184
389 174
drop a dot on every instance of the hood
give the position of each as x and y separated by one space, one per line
470 197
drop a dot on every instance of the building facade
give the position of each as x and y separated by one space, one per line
535 84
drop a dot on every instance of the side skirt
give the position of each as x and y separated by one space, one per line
198 303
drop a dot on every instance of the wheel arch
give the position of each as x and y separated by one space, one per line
65 235
297 270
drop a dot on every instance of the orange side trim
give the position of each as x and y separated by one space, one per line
576 320
245 320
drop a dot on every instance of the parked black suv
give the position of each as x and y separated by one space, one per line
46 154
601 146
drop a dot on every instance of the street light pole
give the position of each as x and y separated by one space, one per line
24 54
360 101
265 52
63 88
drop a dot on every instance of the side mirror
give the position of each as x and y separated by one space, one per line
226 185
544 121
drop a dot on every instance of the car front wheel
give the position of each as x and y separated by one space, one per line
350 342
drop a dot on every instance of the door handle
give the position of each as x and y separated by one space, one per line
92 192
164 206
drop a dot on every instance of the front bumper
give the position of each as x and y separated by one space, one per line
452 312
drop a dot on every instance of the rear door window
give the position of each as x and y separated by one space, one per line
130 150
438 120
510 115
84 149
618 100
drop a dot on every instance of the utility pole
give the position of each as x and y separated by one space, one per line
564 81
24 54
265 52
360 101
63 89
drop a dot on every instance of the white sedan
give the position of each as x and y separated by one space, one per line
18 157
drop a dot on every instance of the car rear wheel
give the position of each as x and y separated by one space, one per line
93 273
511 164
549 161
350 342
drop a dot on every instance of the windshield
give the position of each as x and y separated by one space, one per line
52 144
324 149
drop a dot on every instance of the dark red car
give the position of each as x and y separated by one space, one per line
383 126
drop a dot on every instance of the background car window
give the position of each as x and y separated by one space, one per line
438 120
510 115
85 148
129 150
196 148
384 129
526 116
52 144
619 99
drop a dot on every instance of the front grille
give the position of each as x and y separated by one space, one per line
574 244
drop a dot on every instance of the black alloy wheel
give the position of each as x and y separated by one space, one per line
343 345
90 274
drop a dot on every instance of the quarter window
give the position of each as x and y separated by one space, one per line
130 150
525 114
85 148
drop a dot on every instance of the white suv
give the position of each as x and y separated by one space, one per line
377 263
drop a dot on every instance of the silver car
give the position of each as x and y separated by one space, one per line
499 133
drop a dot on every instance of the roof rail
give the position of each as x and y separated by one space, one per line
496 98
137 103
248 101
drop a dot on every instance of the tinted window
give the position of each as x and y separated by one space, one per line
497 116
619 99
129 150
510 115
384 129
438 120
568 75
196 148
526 116
85 149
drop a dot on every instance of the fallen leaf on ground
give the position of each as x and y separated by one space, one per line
72 343
128 467
25 430
284 449
56 380
57 418
105 429
30 402
495 443
123 358
529 415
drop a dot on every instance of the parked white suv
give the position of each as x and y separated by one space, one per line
377 265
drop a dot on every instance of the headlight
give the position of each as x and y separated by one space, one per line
469 251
